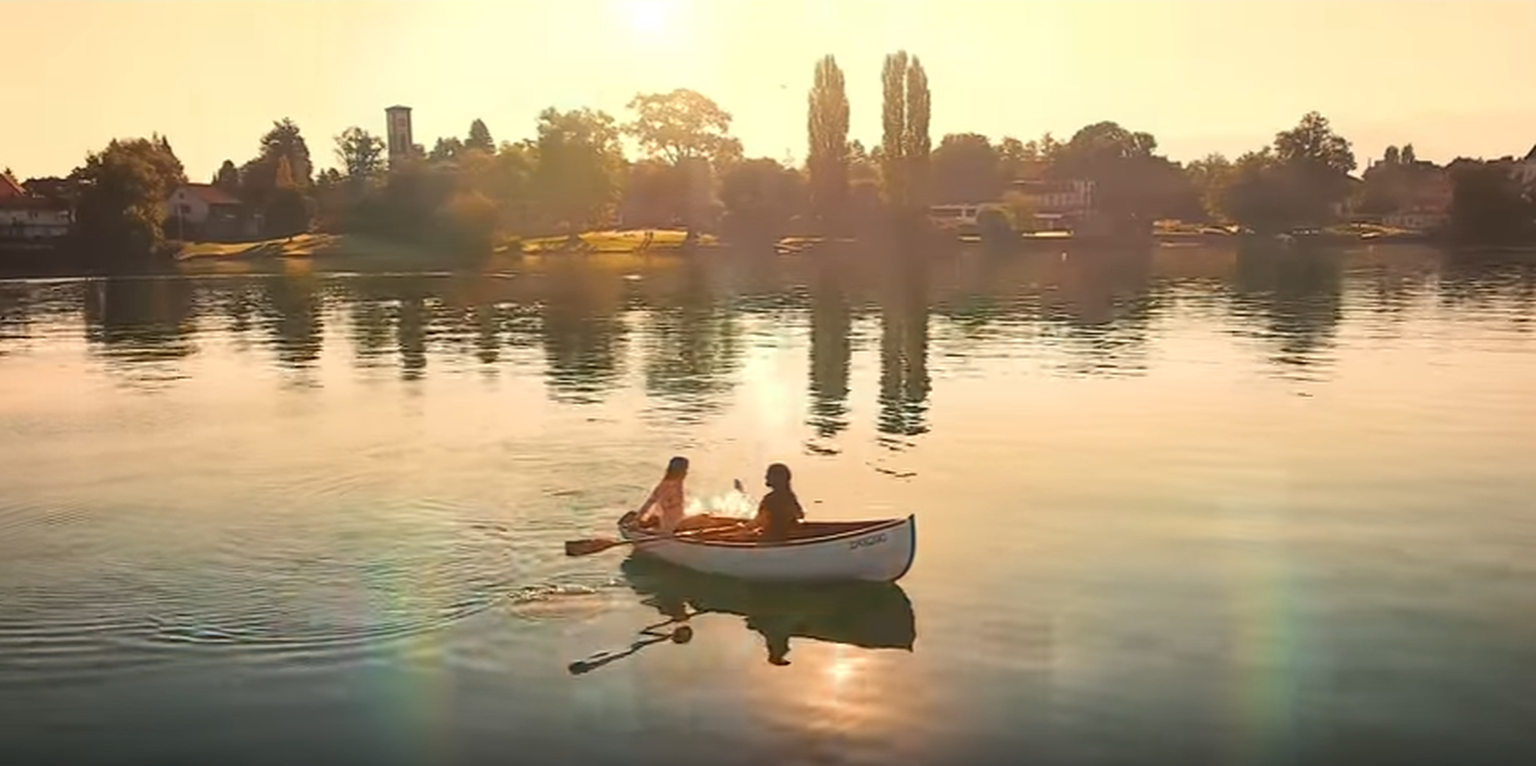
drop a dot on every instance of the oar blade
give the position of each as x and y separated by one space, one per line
589 546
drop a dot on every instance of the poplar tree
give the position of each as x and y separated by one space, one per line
905 145
827 127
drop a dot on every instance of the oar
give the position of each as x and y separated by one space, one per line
591 545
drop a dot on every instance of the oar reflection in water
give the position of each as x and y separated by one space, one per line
865 615
682 634
676 612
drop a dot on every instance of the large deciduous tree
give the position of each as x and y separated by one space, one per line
258 178
1209 177
1101 147
1321 160
966 168
1488 206
1262 193
360 153
1133 185
122 190
691 133
1298 180
447 148
287 210
1013 159
1313 144
507 179
761 197
682 125
579 162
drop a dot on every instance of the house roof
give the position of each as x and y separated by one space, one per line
9 188
210 194
1530 156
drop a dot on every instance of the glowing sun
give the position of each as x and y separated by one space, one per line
649 16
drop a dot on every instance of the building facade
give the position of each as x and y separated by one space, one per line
29 219
398 139
1065 205
1417 195
34 219
206 212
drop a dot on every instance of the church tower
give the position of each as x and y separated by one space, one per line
398 133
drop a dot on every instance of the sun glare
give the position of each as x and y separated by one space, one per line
649 16
839 671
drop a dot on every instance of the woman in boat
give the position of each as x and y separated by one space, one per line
779 513
665 510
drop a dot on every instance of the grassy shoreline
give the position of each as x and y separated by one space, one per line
338 246
349 251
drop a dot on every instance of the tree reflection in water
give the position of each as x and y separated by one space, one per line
370 315
140 319
1296 299
583 334
904 381
291 307
1085 313
143 328
692 346
1102 305
831 350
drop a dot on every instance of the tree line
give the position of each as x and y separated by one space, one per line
573 174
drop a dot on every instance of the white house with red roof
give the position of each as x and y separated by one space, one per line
205 211
199 203
27 218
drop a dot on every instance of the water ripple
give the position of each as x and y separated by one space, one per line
1140 530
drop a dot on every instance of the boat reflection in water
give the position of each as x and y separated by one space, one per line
861 614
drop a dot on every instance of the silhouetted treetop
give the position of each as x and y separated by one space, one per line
682 124
827 157
360 153
479 137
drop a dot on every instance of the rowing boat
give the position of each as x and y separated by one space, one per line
818 551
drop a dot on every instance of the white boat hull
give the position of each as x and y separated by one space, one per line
873 551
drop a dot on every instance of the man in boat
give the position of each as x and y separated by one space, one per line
779 514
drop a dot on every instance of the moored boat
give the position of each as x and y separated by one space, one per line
819 551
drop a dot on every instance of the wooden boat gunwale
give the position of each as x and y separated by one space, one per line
851 529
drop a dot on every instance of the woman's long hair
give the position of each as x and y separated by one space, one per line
778 477
676 467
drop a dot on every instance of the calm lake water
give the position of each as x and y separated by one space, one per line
1181 507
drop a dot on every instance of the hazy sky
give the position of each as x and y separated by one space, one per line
1212 75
